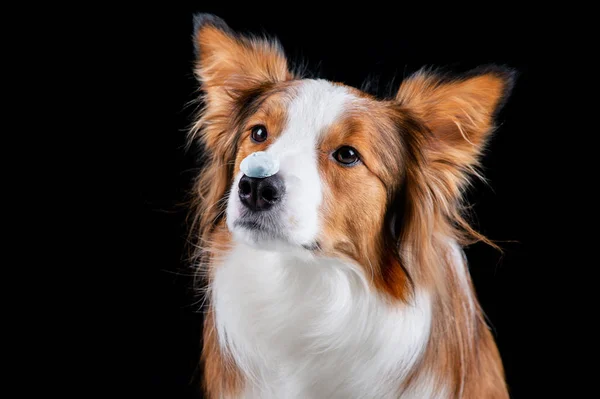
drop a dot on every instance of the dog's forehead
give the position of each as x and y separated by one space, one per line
318 104
313 106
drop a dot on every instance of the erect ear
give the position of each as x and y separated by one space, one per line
227 63
455 117
459 112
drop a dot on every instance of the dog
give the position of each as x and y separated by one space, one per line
330 226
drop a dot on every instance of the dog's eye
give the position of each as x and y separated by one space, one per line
346 155
259 133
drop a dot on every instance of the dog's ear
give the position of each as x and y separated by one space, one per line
227 63
458 112
452 120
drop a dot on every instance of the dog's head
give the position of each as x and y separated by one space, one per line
353 175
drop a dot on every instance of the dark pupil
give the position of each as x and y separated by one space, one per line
346 155
259 134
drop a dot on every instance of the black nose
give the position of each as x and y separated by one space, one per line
261 194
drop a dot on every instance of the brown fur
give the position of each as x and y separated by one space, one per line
388 213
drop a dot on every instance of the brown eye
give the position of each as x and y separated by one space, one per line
346 155
259 133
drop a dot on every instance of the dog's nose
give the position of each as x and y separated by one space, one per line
260 194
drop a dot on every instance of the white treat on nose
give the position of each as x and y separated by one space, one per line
259 164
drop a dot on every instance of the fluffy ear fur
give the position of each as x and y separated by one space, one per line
228 63
457 112
233 72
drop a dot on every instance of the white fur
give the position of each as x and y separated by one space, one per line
312 328
315 106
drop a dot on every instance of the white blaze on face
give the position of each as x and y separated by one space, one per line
315 106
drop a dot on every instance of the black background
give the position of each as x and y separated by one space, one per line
159 326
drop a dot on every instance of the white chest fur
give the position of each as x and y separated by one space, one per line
312 328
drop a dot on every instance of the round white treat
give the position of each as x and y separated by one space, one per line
259 164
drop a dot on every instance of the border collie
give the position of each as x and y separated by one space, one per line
330 228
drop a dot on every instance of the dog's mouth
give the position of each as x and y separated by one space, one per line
269 231
258 226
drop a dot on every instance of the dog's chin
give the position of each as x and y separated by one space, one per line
267 239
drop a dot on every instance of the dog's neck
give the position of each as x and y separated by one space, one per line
315 327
